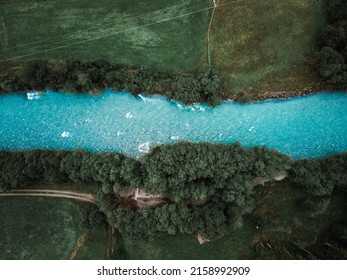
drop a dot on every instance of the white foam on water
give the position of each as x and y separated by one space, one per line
120 133
128 115
65 134
143 98
34 95
144 147
146 99
199 107
174 137
251 128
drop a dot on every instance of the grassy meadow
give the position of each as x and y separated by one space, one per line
266 44
165 34
46 228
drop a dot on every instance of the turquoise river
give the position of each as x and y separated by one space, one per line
305 127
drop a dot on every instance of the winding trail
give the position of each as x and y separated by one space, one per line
87 197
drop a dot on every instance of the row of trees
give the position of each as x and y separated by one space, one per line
331 59
210 221
200 170
221 175
183 170
94 76
111 170
205 86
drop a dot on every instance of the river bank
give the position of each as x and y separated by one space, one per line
249 94
74 76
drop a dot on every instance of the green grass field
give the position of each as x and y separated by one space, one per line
161 33
265 43
46 228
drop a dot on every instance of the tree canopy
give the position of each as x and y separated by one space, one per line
331 59
209 187
95 75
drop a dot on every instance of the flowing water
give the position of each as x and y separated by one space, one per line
311 127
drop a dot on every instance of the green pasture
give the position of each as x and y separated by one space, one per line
46 228
266 44
161 33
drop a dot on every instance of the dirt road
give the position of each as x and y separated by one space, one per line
52 193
